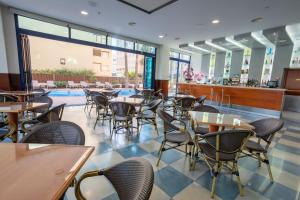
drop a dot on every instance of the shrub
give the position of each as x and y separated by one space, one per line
60 84
89 74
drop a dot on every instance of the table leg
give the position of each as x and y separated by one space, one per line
213 128
13 124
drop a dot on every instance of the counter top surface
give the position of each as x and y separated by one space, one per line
231 86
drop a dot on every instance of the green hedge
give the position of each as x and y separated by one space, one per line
60 84
67 72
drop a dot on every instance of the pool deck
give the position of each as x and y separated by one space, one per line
73 100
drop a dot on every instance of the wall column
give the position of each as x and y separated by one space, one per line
162 69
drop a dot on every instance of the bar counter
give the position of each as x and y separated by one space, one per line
257 97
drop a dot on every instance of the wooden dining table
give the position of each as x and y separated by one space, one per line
14 109
130 100
39 171
216 120
21 95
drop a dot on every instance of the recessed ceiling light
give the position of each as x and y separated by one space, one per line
132 23
84 12
215 21
257 19
161 36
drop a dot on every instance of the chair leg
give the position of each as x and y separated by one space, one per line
269 167
96 122
155 125
236 173
160 152
214 182
259 159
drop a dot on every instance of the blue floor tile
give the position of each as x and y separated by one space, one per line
113 196
248 163
291 138
285 165
270 190
102 147
289 149
132 151
226 188
169 156
171 181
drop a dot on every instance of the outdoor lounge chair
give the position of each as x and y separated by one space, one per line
35 84
84 84
108 85
71 84
50 84
100 85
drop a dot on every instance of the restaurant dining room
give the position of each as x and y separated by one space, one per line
140 99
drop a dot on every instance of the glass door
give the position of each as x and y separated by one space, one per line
173 67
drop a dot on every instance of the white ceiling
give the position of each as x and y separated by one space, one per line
188 19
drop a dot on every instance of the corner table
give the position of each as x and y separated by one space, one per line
13 109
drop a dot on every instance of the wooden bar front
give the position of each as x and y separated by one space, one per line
267 98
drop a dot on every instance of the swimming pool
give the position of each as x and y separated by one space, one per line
78 93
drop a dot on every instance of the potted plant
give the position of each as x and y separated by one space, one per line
199 76
188 74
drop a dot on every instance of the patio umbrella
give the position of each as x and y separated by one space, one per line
26 60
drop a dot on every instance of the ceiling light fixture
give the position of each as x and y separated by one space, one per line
132 23
84 12
215 21
199 48
161 36
257 19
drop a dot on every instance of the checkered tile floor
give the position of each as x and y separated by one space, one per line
173 179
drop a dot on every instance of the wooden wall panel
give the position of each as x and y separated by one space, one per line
9 81
162 84
245 96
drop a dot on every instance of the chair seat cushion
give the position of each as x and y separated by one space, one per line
254 146
145 116
123 118
201 130
178 137
3 132
210 152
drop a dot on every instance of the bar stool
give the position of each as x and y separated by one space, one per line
228 99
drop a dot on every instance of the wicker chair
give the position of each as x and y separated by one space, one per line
8 98
148 95
204 108
265 130
132 179
200 101
102 109
4 131
219 149
148 114
54 114
122 116
42 99
137 96
87 98
174 135
137 91
183 105
56 132
93 94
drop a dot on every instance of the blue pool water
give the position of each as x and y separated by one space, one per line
76 93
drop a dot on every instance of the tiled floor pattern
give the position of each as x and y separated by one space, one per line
174 180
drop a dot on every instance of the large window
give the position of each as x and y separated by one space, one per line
43 27
88 36
116 42
73 32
